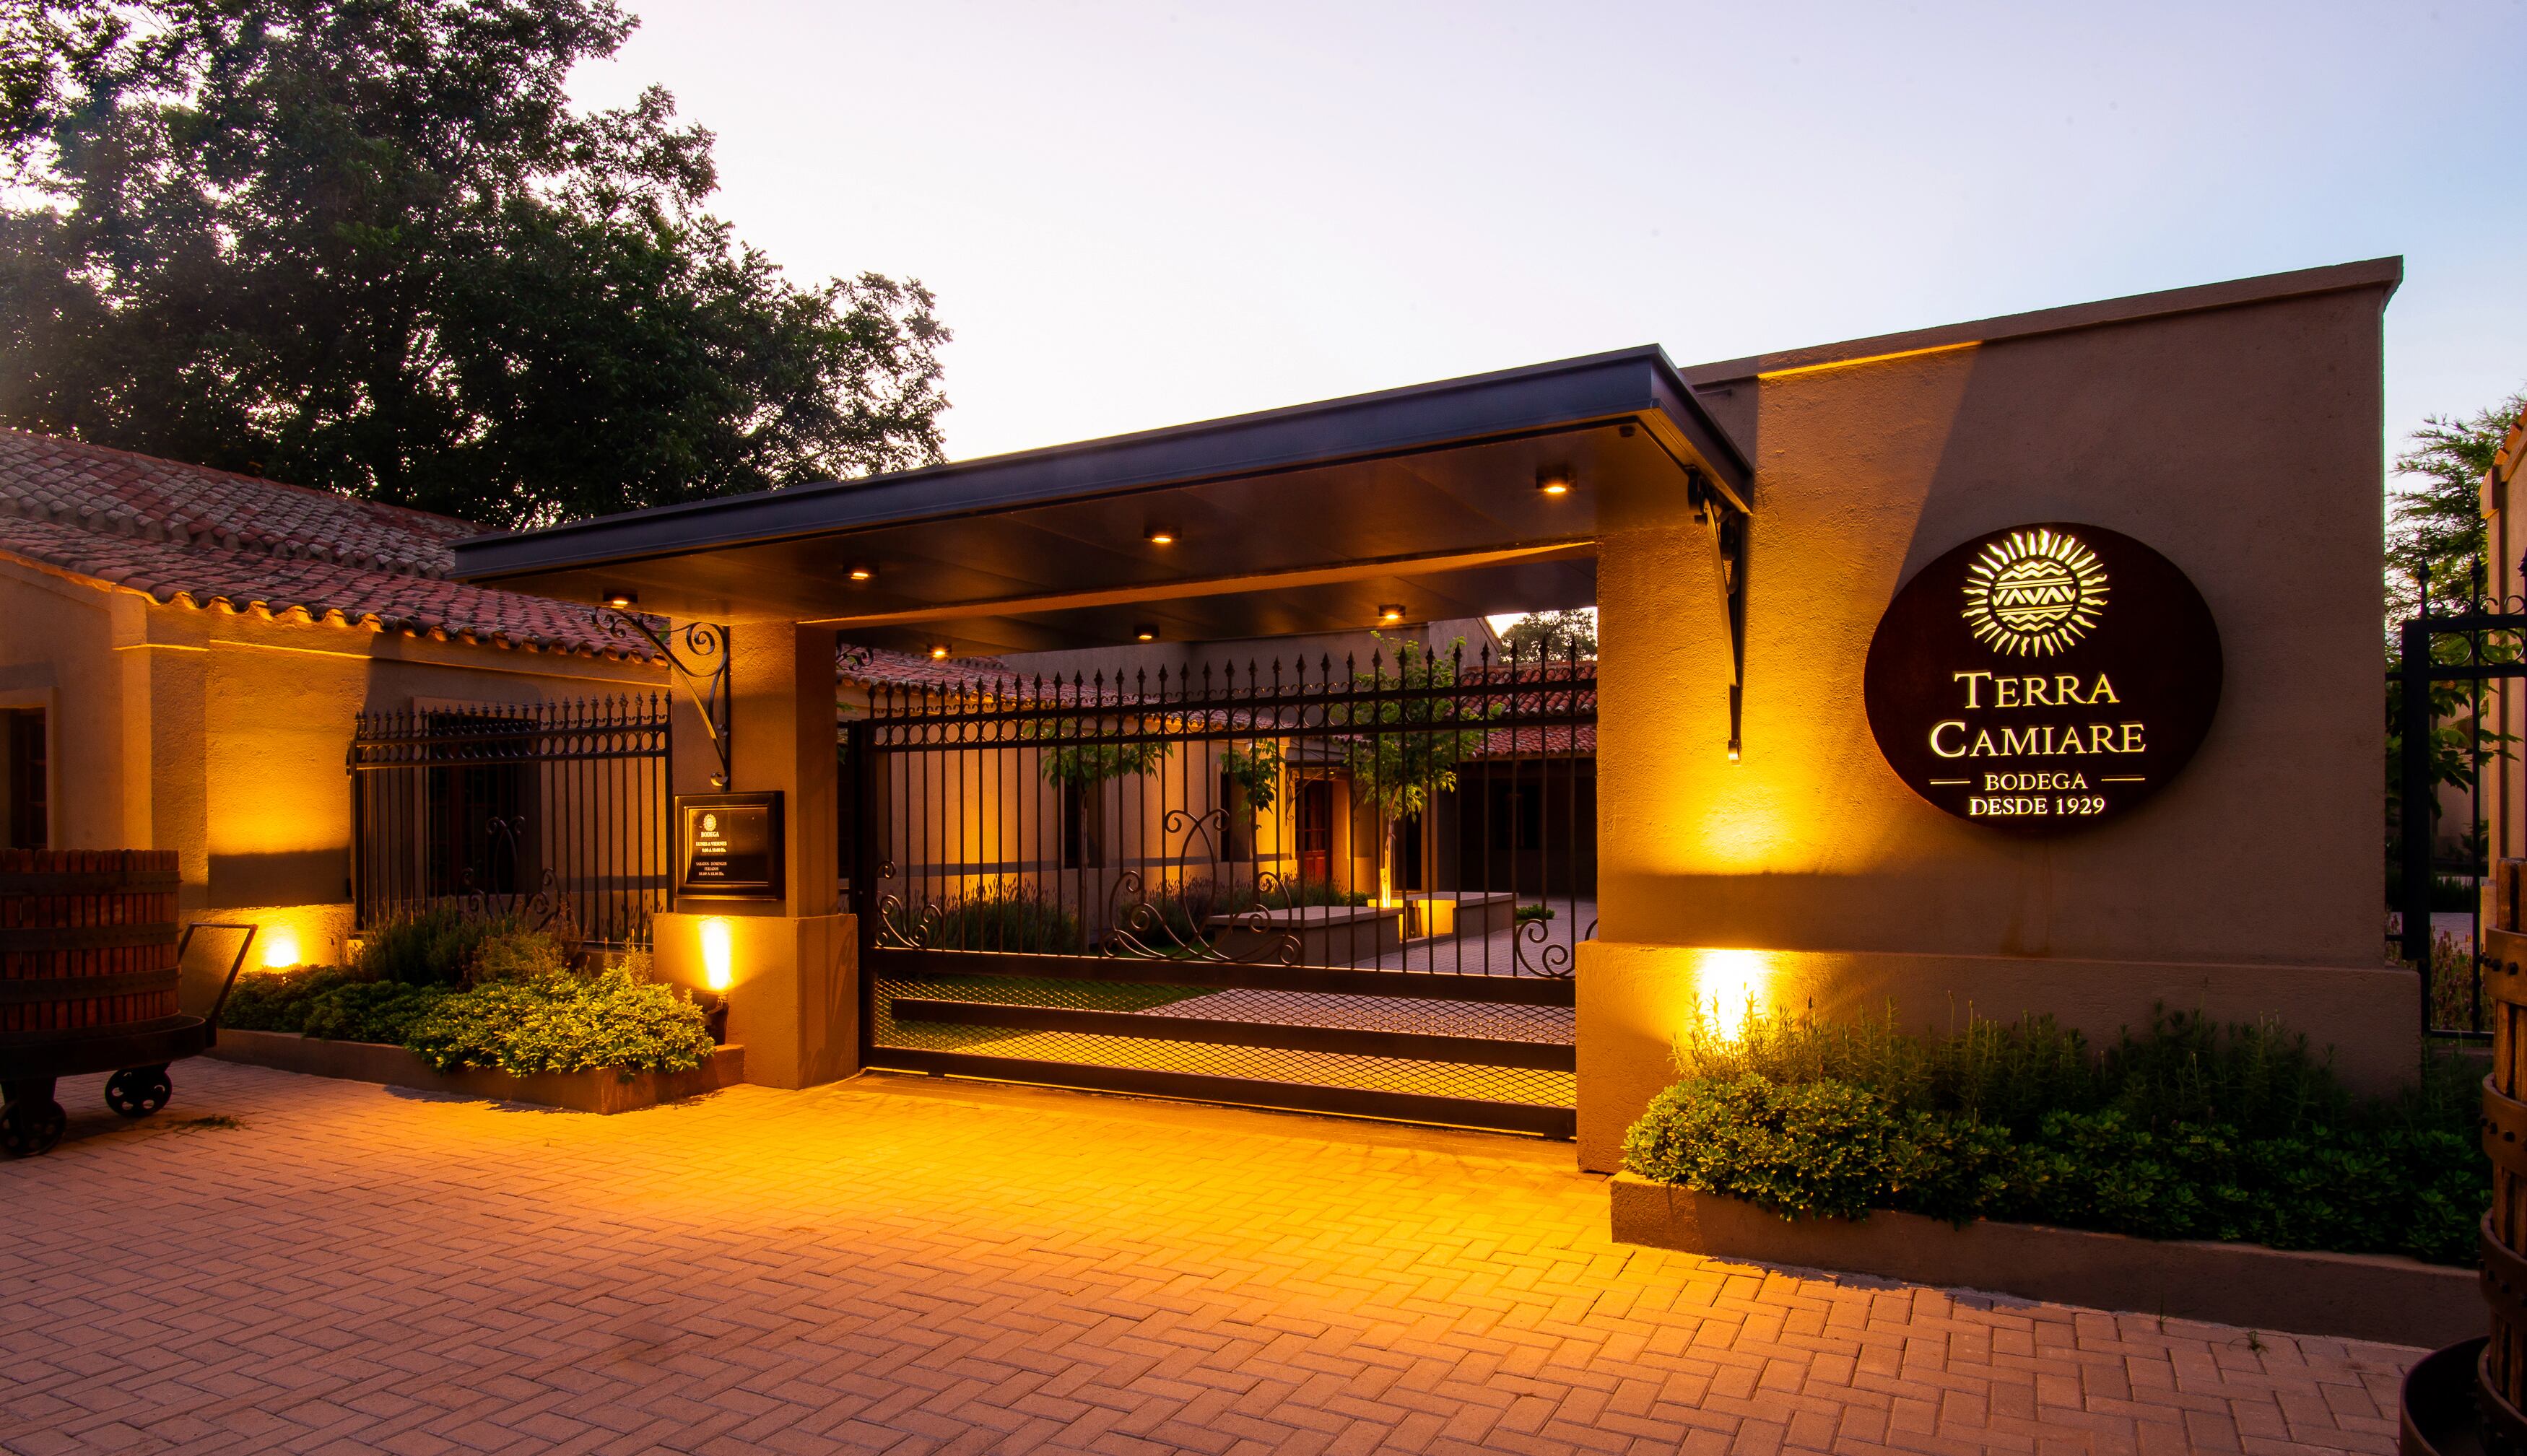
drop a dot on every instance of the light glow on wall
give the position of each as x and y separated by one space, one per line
719 954
1730 987
280 947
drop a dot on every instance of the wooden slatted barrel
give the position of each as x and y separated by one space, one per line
87 943
2501 1378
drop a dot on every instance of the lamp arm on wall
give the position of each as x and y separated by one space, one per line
707 688
1728 530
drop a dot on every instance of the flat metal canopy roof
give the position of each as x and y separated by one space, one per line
1302 520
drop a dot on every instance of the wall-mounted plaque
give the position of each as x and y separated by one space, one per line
2042 677
729 847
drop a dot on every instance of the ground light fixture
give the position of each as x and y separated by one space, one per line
1389 615
620 600
719 954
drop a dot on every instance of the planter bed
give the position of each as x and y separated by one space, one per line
2357 1296
599 1090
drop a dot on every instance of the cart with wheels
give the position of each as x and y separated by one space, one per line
89 956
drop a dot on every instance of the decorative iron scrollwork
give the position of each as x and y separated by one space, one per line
708 688
1143 930
538 908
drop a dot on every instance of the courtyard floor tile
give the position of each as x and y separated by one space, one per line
907 1265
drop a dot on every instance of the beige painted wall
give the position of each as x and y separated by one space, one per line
2243 443
222 735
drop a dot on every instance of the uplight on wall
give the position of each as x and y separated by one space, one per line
280 947
1731 988
719 954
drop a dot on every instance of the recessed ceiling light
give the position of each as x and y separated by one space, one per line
861 573
1390 614
938 649
1160 535
619 600
1554 482
1144 633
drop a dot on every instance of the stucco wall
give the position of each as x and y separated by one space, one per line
2243 443
222 735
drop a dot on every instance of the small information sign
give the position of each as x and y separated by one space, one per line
729 847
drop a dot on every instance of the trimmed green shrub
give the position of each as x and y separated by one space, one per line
278 1000
2190 1131
564 1023
370 1011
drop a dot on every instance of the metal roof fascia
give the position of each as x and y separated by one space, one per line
1564 393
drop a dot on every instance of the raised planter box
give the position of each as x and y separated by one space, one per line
2354 1297
599 1090
1327 934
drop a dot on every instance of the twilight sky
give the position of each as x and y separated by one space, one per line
1137 215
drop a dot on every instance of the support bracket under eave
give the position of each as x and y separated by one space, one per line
1729 528
706 686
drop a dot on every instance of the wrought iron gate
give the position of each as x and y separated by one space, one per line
1350 889
508 802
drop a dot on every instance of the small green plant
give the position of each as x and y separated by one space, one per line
431 946
279 1000
370 1011
614 1018
2189 1129
1528 913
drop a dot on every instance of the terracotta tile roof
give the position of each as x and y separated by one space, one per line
876 666
206 537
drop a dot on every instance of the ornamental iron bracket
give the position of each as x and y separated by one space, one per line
1728 525
706 686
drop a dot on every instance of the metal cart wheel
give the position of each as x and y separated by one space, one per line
137 1092
31 1121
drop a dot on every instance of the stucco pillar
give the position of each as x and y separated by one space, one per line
165 662
794 1000
1664 667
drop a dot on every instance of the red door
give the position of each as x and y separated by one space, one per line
1315 830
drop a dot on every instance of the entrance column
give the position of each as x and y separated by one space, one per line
793 998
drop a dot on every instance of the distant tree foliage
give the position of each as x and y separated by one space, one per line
367 245
2437 521
1556 634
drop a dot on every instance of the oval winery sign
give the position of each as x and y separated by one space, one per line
2042 677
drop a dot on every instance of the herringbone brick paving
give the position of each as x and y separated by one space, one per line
913 1266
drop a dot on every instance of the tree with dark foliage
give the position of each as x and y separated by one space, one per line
367 245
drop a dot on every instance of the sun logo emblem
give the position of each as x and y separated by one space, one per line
2033 593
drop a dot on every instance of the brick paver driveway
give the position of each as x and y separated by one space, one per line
910 1265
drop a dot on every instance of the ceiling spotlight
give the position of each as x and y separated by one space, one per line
1144 633
861 573
1389 615
619 600
1553 483
1160 535
938 650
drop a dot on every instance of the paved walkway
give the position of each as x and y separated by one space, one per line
912 1265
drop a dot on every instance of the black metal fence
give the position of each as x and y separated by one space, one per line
1353 887
2448 653
499 804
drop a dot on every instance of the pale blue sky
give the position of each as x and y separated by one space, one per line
1137 215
